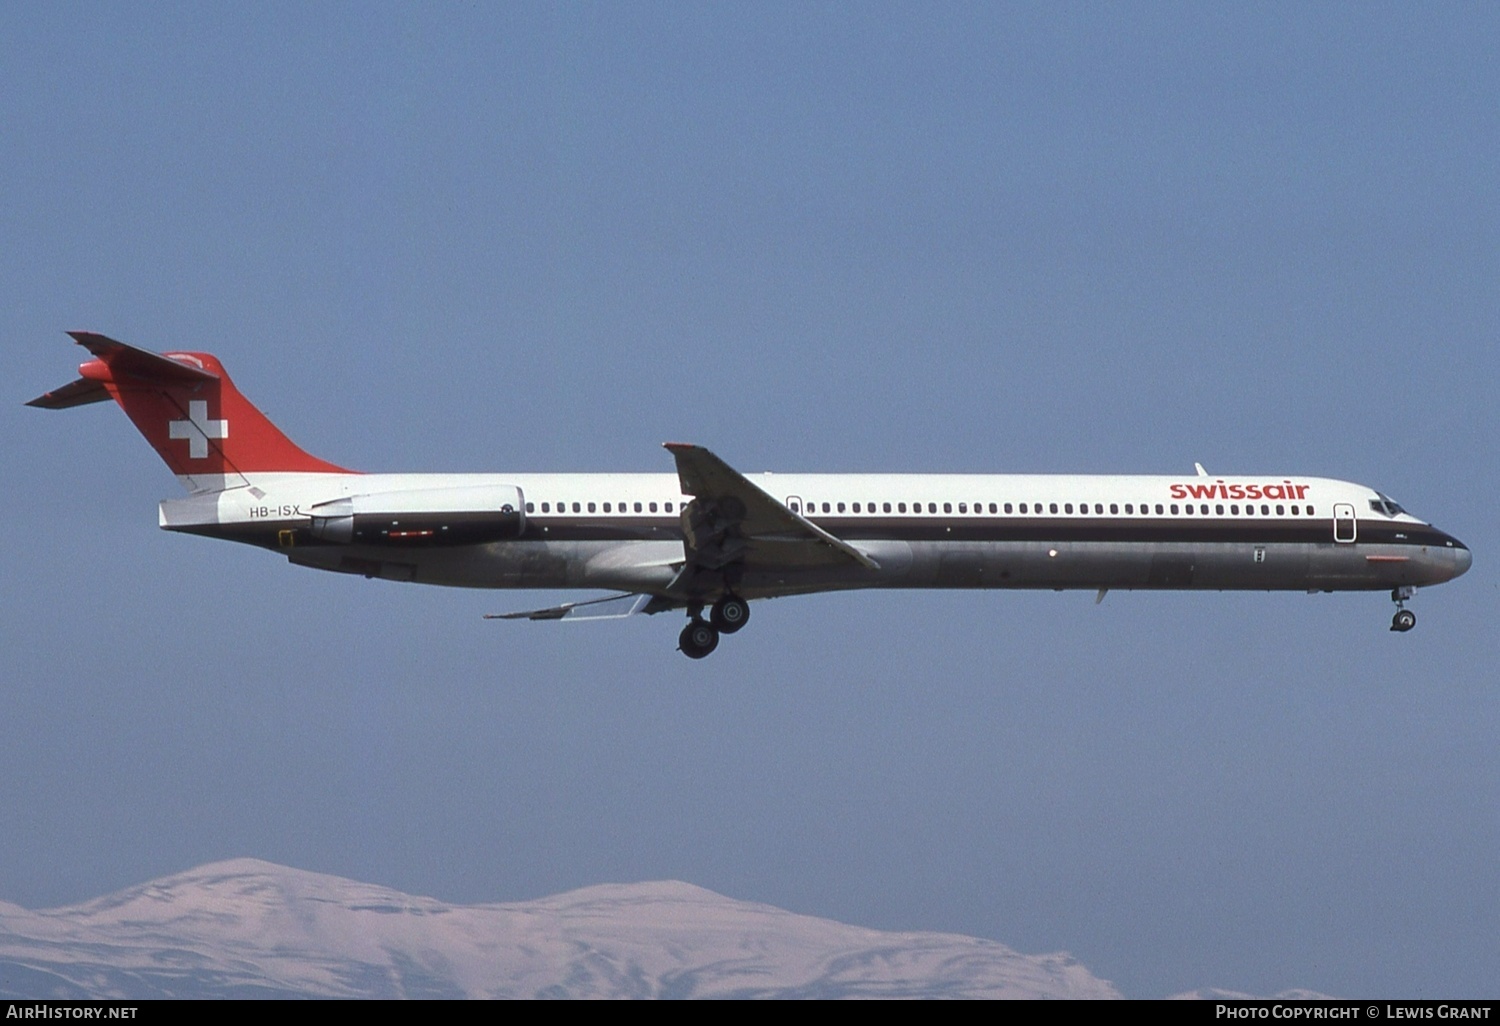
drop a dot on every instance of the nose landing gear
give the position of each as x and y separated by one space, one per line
1405 619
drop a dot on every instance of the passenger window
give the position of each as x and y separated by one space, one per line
1265 511
1203 509
577 508
531 507
545 508
1310 511
1054 507
668 506
1098 507
841 507
856 507
638 507
887 507
1067 507
1281 511
1234 510
947 507
651 507
932 507
1218 510
591 507
1007 508
606 507
1113 509
1174 508
900 507
1158 510
1294 511
1188 509
963 507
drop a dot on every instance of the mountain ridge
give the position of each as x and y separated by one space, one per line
245 927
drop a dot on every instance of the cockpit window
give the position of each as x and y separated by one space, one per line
1384 504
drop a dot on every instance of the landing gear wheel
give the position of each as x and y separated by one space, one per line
1405 619
729 614
697 639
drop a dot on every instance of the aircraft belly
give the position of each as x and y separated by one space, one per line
651 567
637 566
494 565
1030 565
1251 567
1374 567
1124 565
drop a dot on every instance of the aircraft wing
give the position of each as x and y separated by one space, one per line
732 520
730 524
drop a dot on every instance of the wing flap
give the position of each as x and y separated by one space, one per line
591 609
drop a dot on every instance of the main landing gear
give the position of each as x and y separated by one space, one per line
1405 619
700 637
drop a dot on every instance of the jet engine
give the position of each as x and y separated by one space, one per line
467 515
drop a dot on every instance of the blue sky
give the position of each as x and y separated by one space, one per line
987 238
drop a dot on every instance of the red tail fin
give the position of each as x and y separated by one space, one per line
188 409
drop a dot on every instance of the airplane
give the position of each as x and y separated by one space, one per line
709 538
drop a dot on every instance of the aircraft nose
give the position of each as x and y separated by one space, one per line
1462 558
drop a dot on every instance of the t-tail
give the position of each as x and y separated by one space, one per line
187 408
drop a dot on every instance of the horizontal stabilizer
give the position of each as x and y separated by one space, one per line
142 363
75 393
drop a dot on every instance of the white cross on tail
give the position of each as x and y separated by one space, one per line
198 429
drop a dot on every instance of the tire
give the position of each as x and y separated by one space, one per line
729 614
697 639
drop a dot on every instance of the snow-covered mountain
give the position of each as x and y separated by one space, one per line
246 928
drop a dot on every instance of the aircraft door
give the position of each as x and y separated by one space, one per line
1345 528
794 503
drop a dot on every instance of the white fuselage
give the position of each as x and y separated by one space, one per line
625 532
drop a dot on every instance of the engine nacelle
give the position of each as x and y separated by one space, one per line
467 515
